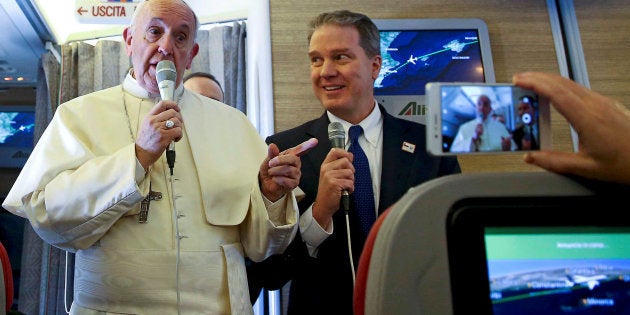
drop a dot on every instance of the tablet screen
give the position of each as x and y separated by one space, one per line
542 256
558 270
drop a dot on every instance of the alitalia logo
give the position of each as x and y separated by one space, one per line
413 109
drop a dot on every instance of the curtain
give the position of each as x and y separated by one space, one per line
222 53
259 72
82 68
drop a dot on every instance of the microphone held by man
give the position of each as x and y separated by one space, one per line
166 76
337 137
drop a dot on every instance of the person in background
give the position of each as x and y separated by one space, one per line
483 133
153 235
344 54
600 122
205 84
526 134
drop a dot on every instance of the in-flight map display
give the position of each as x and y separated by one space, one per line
411 58
16 137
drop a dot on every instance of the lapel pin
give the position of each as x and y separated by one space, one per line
409 147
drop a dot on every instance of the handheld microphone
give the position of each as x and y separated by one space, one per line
337 137
166 76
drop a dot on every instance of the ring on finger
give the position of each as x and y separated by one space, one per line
169 124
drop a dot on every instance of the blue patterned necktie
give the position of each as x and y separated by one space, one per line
363 194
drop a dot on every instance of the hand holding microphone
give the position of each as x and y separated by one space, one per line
336 178
162 123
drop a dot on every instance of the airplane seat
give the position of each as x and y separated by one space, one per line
6 276
364 263
426 254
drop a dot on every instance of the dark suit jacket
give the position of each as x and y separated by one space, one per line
323 285
518 135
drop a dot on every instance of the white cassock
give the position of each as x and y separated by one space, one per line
493 131
82 187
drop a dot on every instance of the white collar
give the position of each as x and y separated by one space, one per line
131 85
372 124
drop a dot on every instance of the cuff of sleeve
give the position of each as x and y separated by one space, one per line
299 193
140 172
142 179
312 233
276 211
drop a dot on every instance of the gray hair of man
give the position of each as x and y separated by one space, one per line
369 37
142 4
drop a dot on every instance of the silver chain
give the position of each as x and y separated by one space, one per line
133 140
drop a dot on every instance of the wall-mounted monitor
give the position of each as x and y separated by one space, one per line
17 124
418 51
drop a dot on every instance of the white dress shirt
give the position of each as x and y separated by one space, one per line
371 142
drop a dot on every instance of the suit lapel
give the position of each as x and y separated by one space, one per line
319 130
396 162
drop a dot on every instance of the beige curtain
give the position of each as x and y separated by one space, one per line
83 68
222 53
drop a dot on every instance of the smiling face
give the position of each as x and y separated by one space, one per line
342 75
161 30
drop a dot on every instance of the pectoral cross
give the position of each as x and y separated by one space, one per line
144 205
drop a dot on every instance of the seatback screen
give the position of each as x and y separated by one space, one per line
558 270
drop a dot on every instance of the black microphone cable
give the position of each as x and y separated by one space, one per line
170 156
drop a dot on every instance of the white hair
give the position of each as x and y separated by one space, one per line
142 4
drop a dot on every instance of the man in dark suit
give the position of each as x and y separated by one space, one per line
345 60
526 134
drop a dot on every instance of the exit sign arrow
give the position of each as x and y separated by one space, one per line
105 11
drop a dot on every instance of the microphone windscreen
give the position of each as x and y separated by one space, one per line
165 71
165 74
337 135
